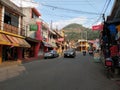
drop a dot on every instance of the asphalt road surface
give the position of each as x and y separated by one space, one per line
79 73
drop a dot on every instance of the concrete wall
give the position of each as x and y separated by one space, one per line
27 20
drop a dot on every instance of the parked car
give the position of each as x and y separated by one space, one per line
51 54
70 53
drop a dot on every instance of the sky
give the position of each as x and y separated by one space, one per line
60 13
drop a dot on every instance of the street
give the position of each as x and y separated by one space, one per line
79 73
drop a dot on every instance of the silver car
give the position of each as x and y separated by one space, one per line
51 54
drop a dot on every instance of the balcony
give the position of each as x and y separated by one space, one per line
10 28
13 29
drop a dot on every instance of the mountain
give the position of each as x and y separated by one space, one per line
76 31
73 28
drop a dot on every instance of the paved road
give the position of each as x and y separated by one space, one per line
79 73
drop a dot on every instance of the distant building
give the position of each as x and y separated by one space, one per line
82 45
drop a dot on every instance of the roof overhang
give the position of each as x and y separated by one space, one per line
36 11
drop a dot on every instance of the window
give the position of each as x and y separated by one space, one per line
11 19
34 16
7 18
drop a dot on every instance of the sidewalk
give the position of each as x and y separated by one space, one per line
10 71
14 68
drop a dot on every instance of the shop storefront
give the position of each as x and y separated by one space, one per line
110 44
30 53
12 47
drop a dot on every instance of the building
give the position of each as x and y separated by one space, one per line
33 32
82 45
115 12
60 41
46 37
12 40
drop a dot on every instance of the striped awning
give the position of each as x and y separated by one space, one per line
4 40
12 40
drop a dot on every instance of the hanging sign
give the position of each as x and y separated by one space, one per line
97 27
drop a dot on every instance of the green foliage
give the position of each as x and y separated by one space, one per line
77 31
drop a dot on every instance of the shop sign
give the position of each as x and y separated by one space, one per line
60 39
33 27
97 27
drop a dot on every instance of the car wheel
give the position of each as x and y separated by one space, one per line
73 56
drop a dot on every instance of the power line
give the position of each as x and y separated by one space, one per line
48 13
65 1
107 6
75 11
103 10
88 1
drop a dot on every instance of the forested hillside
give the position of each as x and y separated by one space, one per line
76 31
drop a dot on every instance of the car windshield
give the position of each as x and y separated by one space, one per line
53 51
70 50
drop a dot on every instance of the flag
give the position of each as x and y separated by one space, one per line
97 27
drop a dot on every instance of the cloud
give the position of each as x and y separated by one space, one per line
63 23
25 3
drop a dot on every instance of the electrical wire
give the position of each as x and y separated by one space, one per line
107 6
103 10
50 13
66 1
70 10
91 4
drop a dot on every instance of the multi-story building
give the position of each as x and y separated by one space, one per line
82 45
12 42
45 35
60 41
33 32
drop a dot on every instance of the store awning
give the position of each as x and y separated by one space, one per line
53 45
13 41
46 44
18 41
32 40
4 40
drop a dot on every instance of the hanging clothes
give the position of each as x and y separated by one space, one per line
118 28
112 29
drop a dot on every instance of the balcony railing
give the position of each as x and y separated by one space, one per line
10 28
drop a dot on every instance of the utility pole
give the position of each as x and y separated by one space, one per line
103 16
86 35
51 25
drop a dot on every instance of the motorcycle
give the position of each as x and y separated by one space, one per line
90 52
109 68
84 53
112 66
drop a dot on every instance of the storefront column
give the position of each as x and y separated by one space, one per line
37 47
19 51
0 54
38 37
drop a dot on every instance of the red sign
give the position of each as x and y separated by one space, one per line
60 39
97 27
